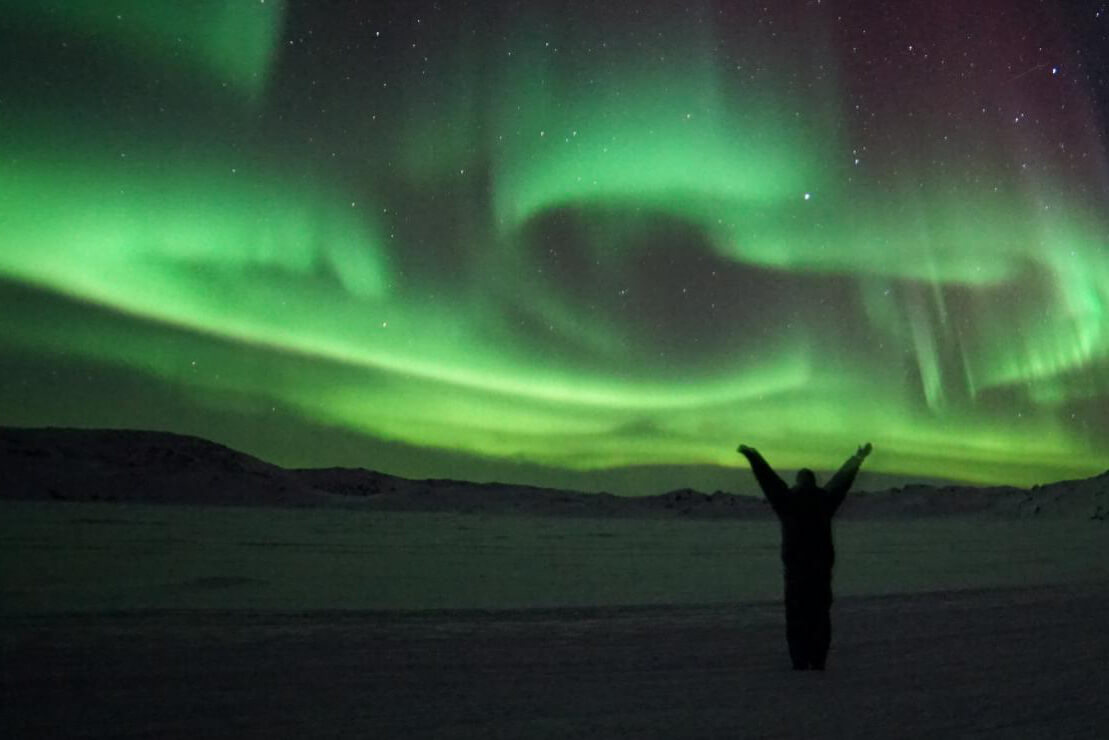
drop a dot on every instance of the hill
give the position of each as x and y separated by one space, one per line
161 467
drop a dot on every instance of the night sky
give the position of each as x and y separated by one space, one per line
539 240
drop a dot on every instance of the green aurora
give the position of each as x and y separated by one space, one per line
571 244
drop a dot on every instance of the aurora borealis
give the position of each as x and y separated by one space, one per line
560 236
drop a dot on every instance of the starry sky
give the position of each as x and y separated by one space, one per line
563 242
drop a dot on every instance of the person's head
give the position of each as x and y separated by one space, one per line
806 478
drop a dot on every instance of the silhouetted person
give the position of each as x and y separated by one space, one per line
805 512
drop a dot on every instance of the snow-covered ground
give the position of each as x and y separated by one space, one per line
174 621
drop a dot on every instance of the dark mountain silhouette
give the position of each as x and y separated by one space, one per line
161 467
125 465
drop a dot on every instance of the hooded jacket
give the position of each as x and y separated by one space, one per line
805 513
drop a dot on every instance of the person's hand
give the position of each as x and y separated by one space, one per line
864 451
745 450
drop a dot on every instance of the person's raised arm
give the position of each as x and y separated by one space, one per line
839 483
773 487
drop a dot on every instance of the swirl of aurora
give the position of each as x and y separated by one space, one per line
575 239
